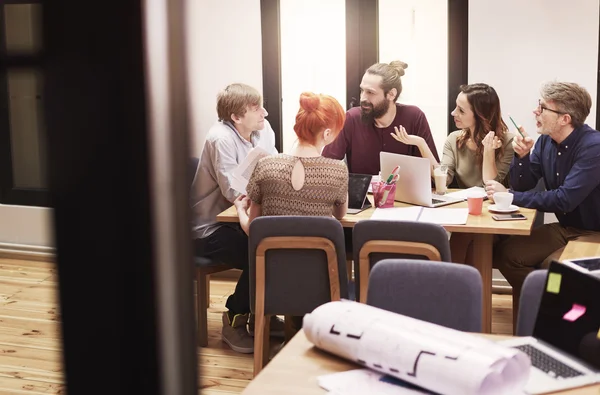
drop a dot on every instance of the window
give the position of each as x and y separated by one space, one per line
23 179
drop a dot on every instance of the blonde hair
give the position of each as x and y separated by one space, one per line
235 99
570 98
390 74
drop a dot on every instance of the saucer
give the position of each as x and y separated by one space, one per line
511 209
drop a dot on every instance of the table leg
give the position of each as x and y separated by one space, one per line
482 261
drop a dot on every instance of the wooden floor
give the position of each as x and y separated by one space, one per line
30 345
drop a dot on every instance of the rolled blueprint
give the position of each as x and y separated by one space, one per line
430 356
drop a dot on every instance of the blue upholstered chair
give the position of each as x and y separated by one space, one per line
446 294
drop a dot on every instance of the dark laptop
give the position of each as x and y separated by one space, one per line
358 186
565 346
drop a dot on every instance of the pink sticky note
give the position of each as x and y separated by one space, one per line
576 311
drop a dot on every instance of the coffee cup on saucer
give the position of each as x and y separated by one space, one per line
503 200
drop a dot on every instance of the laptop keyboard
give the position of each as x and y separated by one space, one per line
548 364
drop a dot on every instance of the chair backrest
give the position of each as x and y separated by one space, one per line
192 170
374 240
529 304
304 263
447 294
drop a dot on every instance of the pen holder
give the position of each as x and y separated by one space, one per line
383 194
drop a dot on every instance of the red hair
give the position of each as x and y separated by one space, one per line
317 113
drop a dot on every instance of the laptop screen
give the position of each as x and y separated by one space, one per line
569 314
358 185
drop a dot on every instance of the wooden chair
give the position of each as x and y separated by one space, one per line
204 268
296 265
374 240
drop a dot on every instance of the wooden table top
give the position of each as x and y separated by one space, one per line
580 249
475 224
295 369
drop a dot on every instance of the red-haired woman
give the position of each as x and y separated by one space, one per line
303 182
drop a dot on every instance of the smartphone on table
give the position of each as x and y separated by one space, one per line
508 217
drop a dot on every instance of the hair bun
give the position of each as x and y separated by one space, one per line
309 102
400 66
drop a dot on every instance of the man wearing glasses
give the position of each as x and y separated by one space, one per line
567 156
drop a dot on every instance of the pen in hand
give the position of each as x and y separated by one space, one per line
518 130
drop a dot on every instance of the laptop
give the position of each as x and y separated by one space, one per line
565 346
358 186
414 184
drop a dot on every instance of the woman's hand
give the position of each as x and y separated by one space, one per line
242 203
402 136
491 142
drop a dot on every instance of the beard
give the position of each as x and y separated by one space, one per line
369 113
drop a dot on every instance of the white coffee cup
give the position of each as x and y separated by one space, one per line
503 200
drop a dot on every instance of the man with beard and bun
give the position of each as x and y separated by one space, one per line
368 129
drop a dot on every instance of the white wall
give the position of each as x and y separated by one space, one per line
416 32
313 55
515 45
224 46
26 225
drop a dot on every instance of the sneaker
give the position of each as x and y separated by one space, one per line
234 333
276 326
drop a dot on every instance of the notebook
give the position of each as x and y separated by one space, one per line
565 346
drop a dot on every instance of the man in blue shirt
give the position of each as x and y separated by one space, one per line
567 156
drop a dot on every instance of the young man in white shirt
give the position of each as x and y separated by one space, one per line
241 127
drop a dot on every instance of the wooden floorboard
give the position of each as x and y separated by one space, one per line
30 337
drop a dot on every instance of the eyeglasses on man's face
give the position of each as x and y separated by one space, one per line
542 107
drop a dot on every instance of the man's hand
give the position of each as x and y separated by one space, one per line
491 143
402 136
242 203
492 187
522 145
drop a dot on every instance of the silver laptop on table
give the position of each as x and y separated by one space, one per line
565 346
414 184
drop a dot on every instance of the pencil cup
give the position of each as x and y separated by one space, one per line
383 194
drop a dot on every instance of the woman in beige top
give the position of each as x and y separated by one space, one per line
482 149
303 182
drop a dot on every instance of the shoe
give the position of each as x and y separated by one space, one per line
276 326
234 333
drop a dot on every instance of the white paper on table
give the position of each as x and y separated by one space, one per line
445 216
397 213
465 193
366 381
430 356
239 178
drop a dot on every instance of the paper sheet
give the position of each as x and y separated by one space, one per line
430 356
365 381
241 175
465 193
445 216
397 213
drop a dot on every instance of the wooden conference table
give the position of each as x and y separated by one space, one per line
295 369
481 227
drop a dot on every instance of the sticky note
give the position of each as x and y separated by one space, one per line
576 311
554 283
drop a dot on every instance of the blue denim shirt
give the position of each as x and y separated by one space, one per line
571 172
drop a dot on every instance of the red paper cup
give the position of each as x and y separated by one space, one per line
475 204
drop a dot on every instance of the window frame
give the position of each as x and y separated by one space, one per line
9 193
